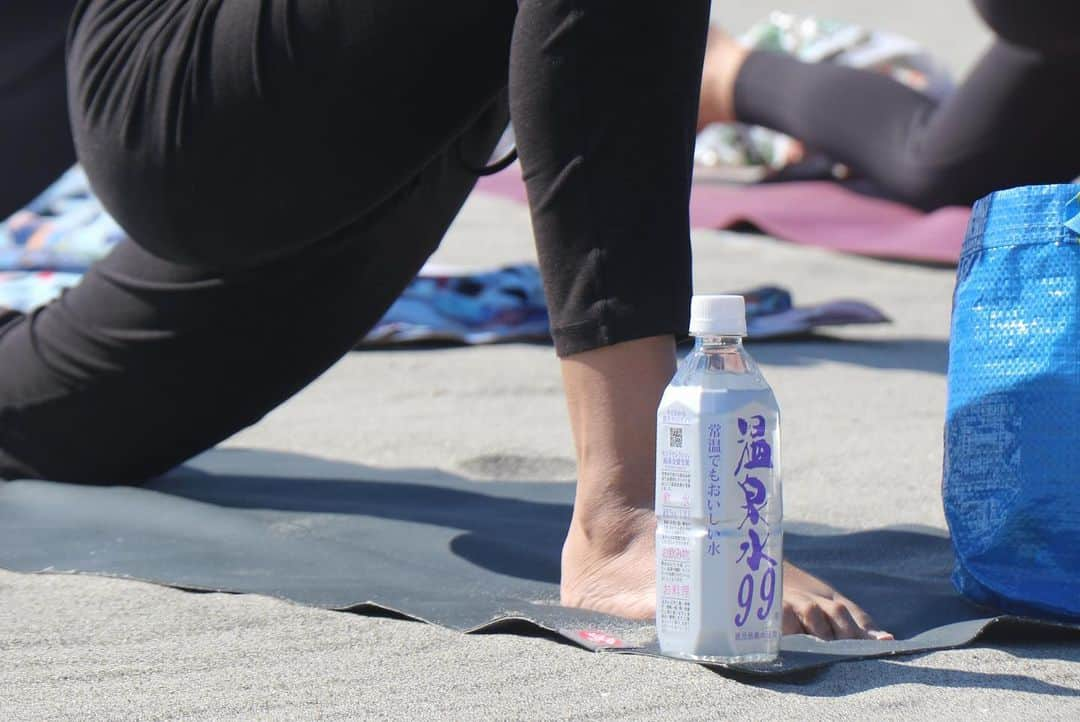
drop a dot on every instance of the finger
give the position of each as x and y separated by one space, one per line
864 620
843 623
814 620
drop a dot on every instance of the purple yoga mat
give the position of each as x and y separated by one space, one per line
815 213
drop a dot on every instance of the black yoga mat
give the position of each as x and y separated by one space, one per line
473 556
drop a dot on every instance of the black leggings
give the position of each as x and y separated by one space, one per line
35 139
286 166
1012 122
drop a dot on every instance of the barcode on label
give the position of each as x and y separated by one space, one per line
675 437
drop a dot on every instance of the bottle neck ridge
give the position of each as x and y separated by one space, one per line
716 341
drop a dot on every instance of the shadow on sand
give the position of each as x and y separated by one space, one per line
449 550
915 354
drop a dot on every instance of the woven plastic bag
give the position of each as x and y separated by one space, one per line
1012 444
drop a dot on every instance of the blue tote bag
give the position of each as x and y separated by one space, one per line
1011 482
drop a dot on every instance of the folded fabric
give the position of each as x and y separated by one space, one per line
63 229
444 304
26 290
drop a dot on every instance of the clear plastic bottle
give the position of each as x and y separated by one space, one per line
719 510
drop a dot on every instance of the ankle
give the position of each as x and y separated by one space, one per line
609 529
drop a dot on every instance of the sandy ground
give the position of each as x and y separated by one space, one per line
863 423
863 416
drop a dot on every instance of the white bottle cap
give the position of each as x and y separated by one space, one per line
717 316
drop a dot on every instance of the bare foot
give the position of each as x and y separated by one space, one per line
724 56
613 571
813 607
608 561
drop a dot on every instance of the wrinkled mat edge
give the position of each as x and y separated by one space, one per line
965 632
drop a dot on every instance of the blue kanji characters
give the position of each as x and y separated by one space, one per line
753 551
756 500
757 454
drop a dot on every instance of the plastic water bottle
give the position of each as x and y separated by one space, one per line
719 511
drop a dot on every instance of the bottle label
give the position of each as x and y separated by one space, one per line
719 541
753 555
678 451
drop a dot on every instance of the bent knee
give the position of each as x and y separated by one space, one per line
929 187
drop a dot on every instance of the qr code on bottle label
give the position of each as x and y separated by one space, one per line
675 437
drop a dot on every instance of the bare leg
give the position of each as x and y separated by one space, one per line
608 558
724 57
